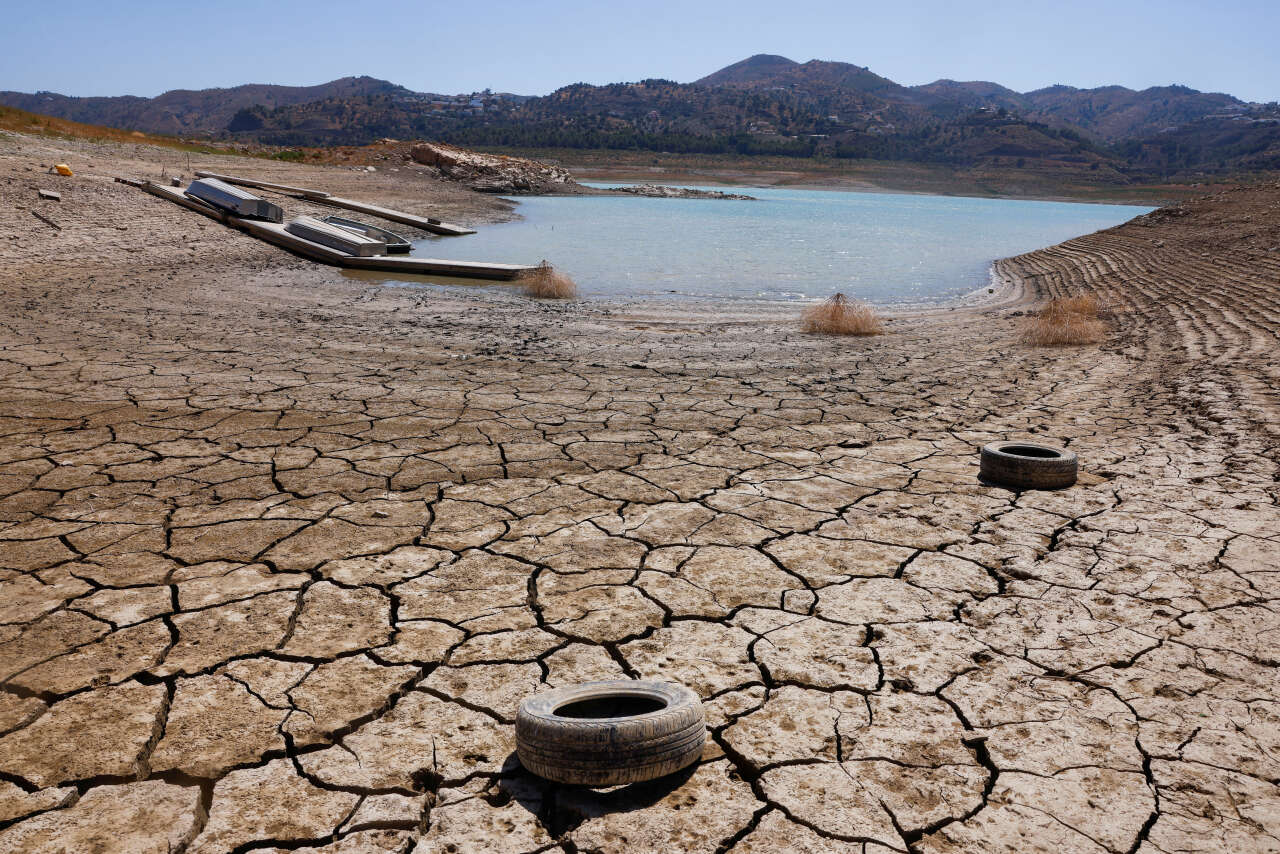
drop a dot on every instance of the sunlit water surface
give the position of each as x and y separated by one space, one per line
788 245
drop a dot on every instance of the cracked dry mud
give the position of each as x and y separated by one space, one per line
283 550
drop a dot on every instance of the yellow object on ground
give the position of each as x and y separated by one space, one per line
63 169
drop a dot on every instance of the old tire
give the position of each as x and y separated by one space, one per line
609 733
1025 465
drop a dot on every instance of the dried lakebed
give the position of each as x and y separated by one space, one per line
282 554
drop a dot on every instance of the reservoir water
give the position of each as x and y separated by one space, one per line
788 245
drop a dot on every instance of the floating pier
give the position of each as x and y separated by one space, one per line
425 223
276 233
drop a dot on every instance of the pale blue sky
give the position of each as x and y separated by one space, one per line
91 47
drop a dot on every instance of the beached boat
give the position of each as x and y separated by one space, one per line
234 200
336 237
395 243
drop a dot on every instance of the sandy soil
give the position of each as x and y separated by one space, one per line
283 549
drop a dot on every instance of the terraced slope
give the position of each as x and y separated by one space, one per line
1195 288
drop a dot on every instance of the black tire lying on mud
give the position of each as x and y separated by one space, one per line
1024 465
610 733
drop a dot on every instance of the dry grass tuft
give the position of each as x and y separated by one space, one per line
546 282
840 315
1064 321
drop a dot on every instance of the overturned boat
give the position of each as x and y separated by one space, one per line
346 240
234 200
395 243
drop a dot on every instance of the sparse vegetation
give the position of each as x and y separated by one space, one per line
840 315
20 121
1065 321
546 282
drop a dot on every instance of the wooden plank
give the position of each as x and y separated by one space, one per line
46 220
51 195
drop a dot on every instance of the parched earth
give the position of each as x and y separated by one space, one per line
283 549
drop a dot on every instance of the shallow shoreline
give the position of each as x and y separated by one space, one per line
729 182
281 550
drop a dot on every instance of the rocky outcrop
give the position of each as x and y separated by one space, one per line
492 173
657 191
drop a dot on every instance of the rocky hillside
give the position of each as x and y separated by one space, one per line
196 112
1114 113
766 104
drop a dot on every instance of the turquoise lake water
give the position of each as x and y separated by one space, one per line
789 245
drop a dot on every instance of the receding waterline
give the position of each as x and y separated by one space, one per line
788 245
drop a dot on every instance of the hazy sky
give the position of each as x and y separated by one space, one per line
91 47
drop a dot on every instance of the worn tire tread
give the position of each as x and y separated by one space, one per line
610 751
1023 472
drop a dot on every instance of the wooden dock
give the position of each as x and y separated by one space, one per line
273 232
425 223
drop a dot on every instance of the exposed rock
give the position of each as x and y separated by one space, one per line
492 173
657 191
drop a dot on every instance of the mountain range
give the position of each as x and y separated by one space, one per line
765 104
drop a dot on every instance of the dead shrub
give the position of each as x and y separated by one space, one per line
546 282
1065 321
840 315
